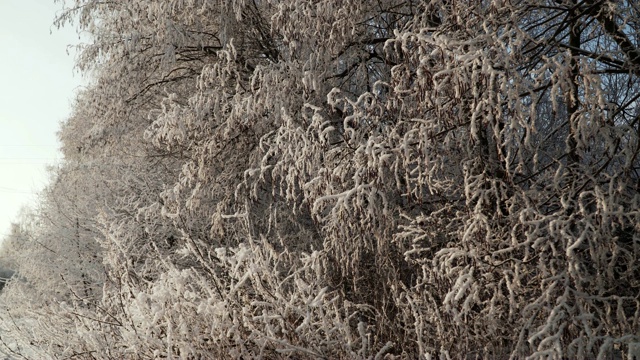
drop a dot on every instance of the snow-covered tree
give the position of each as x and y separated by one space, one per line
358 179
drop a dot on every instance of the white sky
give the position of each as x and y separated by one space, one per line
37 85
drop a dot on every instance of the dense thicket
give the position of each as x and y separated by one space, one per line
340 179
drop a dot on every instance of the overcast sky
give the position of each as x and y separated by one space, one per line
37 85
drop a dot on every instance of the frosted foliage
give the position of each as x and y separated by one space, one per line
264 307
356 179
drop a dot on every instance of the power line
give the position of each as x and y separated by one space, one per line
5 190
27 160
27 145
